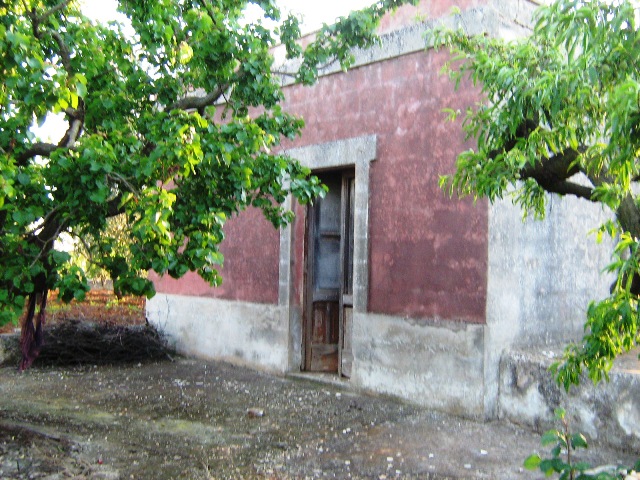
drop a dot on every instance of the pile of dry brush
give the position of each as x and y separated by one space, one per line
75 343
101 330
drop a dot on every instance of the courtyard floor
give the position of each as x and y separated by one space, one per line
192 419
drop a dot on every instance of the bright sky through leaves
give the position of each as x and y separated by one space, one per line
313 13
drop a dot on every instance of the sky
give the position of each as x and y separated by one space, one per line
316 12
313 12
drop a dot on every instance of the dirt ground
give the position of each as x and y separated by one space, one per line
190 419
100 306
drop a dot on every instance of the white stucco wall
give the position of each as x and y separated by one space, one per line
255 335
438 365
542 274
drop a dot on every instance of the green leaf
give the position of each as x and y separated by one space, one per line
81 89
559 413
550 437
168 33
24 178
553 465
62 104
532 462
582 466
35 62
578 440
185 53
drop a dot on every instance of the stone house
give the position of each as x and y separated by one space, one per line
387 284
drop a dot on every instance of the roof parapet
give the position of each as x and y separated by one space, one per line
507 19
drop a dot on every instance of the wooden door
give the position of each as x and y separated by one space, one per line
346 293
329 278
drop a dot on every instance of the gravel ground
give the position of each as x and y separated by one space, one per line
191 419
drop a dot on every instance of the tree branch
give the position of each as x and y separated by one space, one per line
77 115
119 178
51 228
628 214
42 149
72 134
570 188
113 207
198 102
523 131
53 10
552 174
65 52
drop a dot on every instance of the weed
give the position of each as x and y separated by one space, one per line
562 460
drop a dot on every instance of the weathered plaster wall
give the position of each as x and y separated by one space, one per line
239 332
543 274
439 365
541 277
250 270
424 10
608 413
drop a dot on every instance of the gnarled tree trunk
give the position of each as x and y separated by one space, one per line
32 336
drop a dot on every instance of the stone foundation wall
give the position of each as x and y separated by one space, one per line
607 413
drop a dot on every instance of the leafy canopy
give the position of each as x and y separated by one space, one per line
561 114
174 126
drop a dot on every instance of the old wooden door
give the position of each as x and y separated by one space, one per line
329 277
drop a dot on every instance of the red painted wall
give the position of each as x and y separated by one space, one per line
428 253
251 251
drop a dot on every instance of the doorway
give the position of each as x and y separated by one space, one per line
328 304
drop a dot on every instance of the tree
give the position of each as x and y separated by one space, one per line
174 126
86 248
561 104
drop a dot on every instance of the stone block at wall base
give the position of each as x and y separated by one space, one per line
607 413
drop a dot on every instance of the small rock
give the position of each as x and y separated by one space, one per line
255 412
